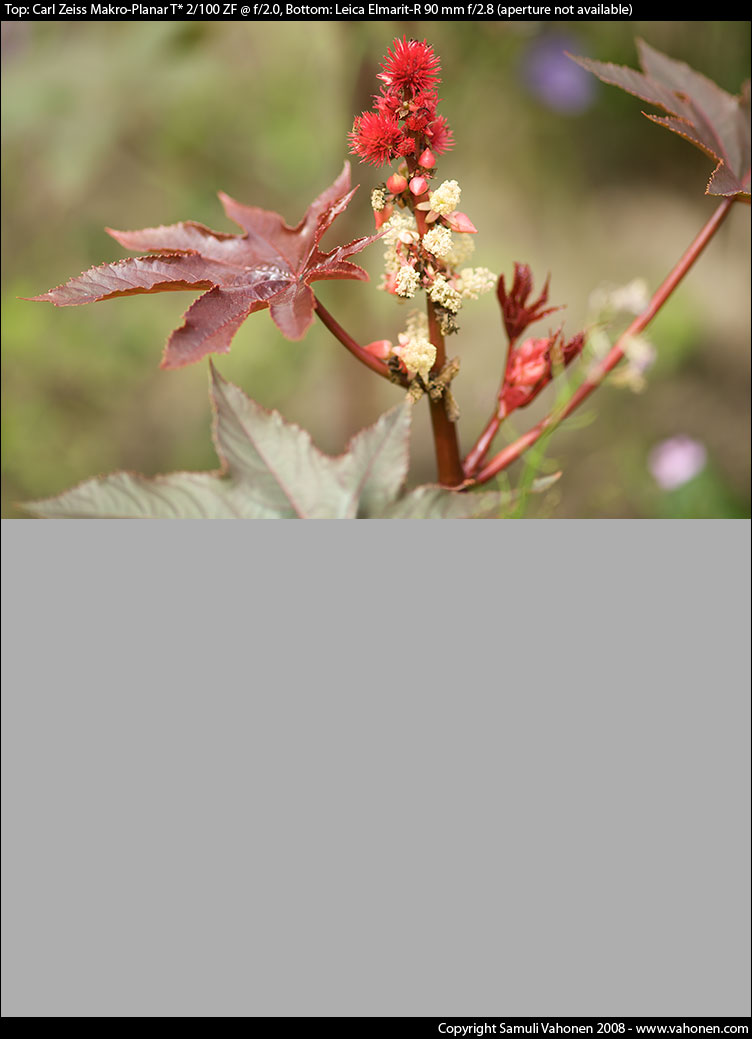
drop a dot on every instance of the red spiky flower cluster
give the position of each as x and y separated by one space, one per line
378 137
404 123
410 66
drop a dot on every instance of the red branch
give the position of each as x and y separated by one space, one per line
484 441
347 341
446 442
596 376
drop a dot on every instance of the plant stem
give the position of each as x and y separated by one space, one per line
596 376
349 343
446 444
484 441
482 445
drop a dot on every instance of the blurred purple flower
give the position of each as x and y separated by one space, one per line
554 78
675 461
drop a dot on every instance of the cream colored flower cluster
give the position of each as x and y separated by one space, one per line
433 262
446 197
441 292
438 241
400 232
378 200
407 281
463 247
415 350
472 282
607 302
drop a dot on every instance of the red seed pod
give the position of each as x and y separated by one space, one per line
396 183
418 185
427 159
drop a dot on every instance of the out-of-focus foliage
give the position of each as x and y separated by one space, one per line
140 124
699 111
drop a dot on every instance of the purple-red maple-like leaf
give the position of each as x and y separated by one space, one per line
269 265
699 110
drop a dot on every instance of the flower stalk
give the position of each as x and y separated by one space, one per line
359 352
599 372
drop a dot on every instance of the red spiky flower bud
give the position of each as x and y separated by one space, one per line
375 137
533 364
516 312
440 136
410 66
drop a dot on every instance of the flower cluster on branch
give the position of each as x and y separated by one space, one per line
427 238
405 110
534 362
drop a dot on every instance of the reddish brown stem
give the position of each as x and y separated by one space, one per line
482 445
446 444
596 376
484 441
347 341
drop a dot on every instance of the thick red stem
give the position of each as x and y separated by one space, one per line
347 341
505 458
446 444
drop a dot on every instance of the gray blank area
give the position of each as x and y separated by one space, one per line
341 769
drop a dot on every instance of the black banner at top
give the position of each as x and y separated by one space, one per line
275 10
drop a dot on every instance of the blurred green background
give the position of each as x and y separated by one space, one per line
134 124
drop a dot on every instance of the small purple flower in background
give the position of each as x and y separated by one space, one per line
554 78
675 461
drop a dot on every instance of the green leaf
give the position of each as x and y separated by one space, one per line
432 502
130 496
271 469
275 462
376 463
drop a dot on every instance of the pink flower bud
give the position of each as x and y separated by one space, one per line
381 348
396 183
418 185
461 222
390 283
382 215
427 160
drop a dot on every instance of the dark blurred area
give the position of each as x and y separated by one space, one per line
132 125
